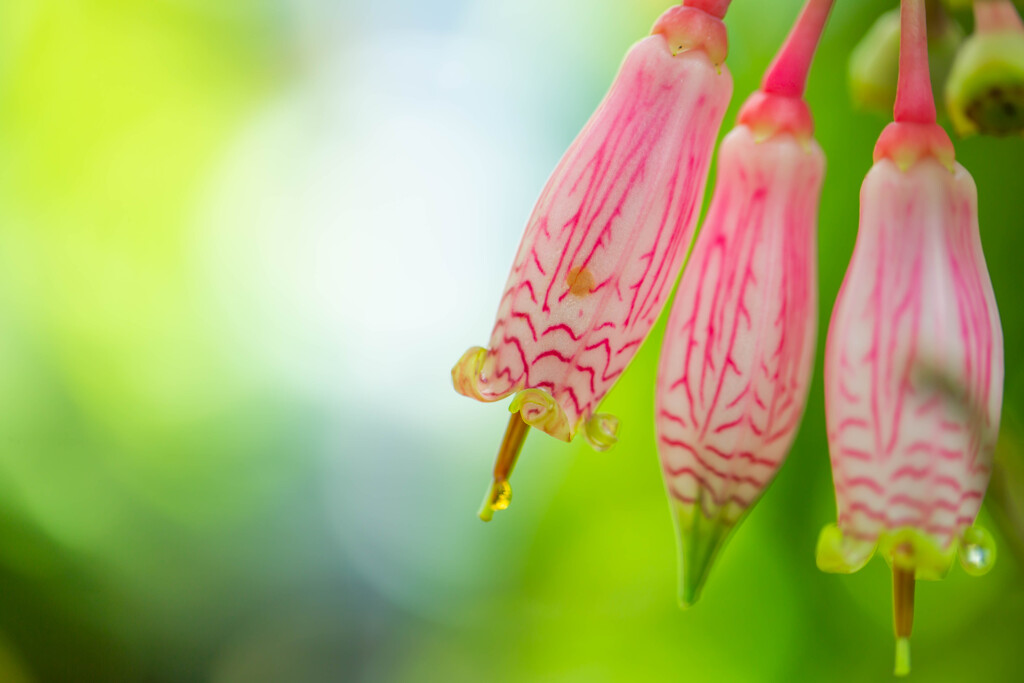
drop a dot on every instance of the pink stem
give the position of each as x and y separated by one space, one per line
716 8
914 101
787 76
996 16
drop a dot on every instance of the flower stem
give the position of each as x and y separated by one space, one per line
914 101
500 493
903 615
716 8
787 76
997 16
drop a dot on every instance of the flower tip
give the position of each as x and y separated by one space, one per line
687 599
538 409
486 512
467 373
840 554
601 431
902 667
699 539
694 567
466 370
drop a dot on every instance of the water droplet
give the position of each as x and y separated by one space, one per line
977 551
498 498
502 495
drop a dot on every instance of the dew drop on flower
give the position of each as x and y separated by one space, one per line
977 551
503 496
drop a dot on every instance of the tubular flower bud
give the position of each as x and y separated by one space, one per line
606 240
738 352
985 90
913 370
913 360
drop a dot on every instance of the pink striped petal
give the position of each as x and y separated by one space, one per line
739 348
605 242
914 360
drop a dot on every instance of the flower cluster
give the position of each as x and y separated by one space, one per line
914 354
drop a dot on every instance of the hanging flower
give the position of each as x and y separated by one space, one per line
914 359
739 348
606 240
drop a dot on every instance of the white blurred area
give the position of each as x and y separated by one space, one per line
356 238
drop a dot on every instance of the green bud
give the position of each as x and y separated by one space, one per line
985 90
875 62
874 65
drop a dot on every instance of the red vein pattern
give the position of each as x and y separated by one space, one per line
738 353
914 359
607 238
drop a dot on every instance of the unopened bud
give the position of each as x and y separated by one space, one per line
874 63
985 90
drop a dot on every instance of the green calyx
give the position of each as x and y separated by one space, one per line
909 549
699 539
985 90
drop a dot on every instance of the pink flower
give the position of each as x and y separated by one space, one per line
739 348
913 367
606 240
914 359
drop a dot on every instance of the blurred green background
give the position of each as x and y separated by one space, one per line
241 244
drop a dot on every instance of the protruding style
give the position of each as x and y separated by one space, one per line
606 240
739 348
